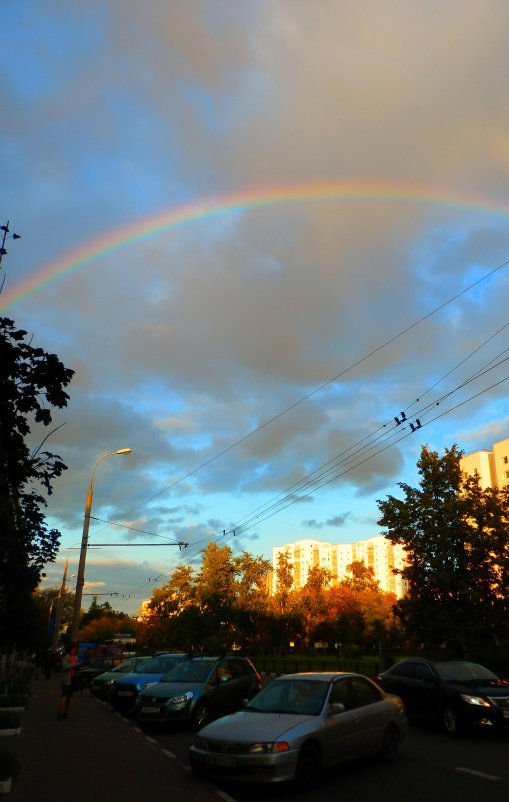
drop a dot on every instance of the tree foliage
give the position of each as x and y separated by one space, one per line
227 602
456 536
31 382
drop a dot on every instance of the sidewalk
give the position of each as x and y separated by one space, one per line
93 756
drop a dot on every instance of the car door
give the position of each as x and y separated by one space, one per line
426 695
401 681
372 710
342 730
222 689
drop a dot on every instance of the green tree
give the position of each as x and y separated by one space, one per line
312 603
216 593
456 536
174 596
97 611
284 581
31 382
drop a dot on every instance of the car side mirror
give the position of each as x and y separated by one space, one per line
335 708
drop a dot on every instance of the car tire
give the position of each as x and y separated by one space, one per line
451 722
201 715
309 768
390 744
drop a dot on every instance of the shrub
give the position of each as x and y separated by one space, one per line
9 720
9 765
13 700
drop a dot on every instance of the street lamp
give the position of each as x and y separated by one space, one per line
84 543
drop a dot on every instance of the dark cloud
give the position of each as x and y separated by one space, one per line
254 359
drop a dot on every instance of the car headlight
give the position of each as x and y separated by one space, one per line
475 700
182 699
270 747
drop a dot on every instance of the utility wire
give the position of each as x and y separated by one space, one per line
238 529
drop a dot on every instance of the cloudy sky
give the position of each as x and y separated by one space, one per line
258 230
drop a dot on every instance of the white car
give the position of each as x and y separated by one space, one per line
298 725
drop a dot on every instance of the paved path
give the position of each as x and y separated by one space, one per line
93 756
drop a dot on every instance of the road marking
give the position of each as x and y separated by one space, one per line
224 796
478 773
168 753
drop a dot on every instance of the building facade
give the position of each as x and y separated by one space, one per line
492 467
377 553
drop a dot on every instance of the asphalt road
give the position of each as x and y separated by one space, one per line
432 766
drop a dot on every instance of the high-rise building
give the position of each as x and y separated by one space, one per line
492 467
377 553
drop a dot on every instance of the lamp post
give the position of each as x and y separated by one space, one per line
80 581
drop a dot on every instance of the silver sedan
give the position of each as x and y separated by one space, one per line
298 725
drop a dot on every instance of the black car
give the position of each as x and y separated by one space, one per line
457 693
198 690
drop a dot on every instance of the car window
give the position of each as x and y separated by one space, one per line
424 673
458 670
238 668
223 673
158 665
406 670
342 693
272 697
364 691
299 696
189 671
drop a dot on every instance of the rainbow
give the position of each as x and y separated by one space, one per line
190 213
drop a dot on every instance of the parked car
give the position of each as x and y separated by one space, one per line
93 667
457 693
126 689
198 690
102 684
296 726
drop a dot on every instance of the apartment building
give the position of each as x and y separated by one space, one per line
492 467
377 553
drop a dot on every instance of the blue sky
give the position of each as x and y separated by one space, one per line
221 333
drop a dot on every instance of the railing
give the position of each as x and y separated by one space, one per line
296 665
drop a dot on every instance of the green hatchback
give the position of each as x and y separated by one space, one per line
198 690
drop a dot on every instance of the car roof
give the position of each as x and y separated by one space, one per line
432 662
324 676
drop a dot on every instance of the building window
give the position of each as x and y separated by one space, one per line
506 474
505 460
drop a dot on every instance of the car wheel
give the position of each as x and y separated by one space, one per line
201 715
450 721
309 768
390 744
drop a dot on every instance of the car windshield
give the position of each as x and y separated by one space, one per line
189 671
126 666
299 696
158 664
456 671
129 665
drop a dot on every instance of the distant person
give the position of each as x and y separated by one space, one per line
48 663
68 679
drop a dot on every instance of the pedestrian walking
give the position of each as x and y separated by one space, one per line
68 678
48 663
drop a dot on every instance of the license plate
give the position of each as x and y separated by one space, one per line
125 693
150 710
506 713
221 760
